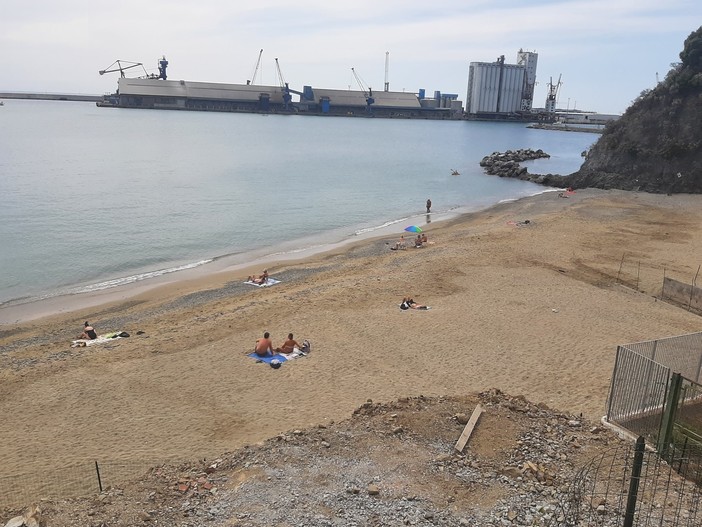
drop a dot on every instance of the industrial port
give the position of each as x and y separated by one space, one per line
158 92
497 91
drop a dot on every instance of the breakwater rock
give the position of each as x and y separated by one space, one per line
507 164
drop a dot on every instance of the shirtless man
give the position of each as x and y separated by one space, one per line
289 345
264 345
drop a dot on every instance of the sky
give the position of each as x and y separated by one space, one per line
605 52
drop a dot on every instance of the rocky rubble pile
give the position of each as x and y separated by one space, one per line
389 464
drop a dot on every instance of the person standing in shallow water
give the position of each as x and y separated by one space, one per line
428 206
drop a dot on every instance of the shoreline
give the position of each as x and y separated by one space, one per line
63 304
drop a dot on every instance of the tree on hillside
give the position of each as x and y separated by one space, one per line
691 55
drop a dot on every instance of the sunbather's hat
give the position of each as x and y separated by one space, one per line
275 364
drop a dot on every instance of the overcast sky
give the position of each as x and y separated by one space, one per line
605 51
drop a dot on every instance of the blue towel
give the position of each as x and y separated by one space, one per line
268 358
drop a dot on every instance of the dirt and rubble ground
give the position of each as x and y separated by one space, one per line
389 464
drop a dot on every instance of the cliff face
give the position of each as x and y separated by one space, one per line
656 146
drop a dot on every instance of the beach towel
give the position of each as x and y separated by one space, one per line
524 223
107 337
280 357
268 282
405 307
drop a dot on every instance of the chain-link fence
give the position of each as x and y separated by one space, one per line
631 486
70 481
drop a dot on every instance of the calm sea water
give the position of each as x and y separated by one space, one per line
93 198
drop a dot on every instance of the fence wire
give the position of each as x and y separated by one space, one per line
682 354
601 492
72 481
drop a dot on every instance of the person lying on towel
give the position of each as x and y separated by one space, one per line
409 303
262 279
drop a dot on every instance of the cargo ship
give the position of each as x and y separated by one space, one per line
159 93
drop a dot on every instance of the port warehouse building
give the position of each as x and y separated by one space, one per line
495 90
190 95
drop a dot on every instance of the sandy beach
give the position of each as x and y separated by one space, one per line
535 310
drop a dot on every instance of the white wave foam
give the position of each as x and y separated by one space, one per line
378 227
116 282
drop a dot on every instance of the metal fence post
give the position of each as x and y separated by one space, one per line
669 410
97 470
634 482
612 386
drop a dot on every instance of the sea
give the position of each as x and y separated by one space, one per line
100 198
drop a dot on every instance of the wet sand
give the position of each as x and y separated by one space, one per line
534 310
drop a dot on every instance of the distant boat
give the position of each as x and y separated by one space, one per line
2 103
455 172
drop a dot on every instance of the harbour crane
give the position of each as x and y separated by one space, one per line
162 65
287 98
367 91
258 64
552 95
121 66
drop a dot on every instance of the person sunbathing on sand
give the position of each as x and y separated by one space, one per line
400 244
409 303
262 279
291 344
88 332
264 345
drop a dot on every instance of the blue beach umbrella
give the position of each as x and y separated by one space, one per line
413 228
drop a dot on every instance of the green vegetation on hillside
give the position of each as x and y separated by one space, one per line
656 146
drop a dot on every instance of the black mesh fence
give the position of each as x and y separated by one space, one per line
71 481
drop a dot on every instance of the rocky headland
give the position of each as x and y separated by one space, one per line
656 146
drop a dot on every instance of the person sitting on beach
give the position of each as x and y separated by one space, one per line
418 241
289 345
88 332
424 238
400 244
264 346
261 279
